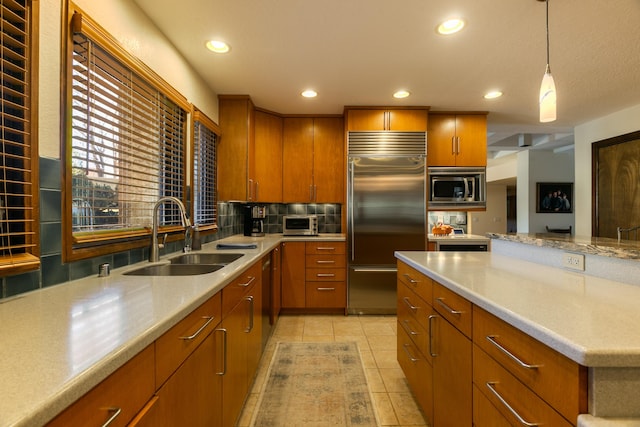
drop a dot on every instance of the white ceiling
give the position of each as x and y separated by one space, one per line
358 52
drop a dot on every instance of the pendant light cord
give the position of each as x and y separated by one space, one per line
547 5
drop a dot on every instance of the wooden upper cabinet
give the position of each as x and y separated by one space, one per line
235 151
313 160
267 179
387 119
457 140
297 158
328 159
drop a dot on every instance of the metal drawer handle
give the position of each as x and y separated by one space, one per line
251 303
411 306
251 279
492 340
412 281
321 261
409 329
320 248
196 333
405 347
431 353
504 402
325 275
326 289
224 351
116 412
449 309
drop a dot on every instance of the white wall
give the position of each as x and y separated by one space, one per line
126 23
619 123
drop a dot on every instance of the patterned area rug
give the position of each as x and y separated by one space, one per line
313 385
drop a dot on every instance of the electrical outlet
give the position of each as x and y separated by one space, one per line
573 261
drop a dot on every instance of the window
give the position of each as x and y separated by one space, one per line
125 148
205 195
19 249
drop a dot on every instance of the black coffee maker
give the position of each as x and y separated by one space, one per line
254 220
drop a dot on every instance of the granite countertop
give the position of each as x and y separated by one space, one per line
602 246
59 342
591 320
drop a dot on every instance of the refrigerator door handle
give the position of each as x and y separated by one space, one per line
350 202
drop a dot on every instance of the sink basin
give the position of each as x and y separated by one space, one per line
212 258
175 270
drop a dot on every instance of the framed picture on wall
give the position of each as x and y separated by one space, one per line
554 197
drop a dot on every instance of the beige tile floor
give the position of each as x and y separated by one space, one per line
376 338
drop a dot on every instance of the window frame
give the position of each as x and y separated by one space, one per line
200 118
27 257
76 247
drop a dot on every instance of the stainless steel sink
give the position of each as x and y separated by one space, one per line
205 258
175 270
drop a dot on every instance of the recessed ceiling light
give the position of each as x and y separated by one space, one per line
401 94
217 46
493 94
450 26
309 93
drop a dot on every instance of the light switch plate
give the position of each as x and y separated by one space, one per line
573 261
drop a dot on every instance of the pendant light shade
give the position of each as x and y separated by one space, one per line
547 97
548 87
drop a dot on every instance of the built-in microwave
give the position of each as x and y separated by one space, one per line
457 188
300 225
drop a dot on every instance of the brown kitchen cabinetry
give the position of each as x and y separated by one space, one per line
457 140
242 343
250 151
313 160
414 119
314 275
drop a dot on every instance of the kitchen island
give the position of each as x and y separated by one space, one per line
589 319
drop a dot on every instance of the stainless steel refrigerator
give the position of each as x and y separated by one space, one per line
386 212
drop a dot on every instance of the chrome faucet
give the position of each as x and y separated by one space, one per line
154 254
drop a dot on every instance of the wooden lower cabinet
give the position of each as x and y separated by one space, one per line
484 413
293 275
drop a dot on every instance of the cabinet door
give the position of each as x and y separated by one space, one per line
418 371
276 286
253 331
293 274
471 131
193 394
441 143
452 375
407 120
235 151
366 119
297 160
328 159
268 158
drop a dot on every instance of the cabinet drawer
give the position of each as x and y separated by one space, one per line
326 295
175 345
234 291
557 379
510 397
325 261
418 371
484 413
120 396
325 248
453 307
413 328
325 274
411 304
418 282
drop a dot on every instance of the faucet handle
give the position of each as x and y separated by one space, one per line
164 240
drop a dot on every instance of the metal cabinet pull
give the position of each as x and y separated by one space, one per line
325 275
224 351
325 248
412 281
449 309
250 299
411 306
326 289
492 340
196 333
251 279
433 316
322 261
409 329
405 347
116 412
490 386
453 145
457 145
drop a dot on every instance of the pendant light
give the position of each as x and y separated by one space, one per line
548 87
